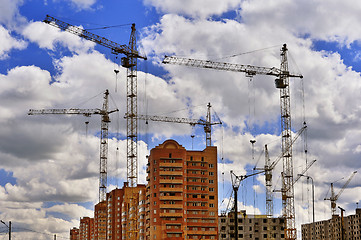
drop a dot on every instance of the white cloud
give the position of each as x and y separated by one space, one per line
51 157
9 13
48 36
330 87
331 21
53 160
83 4
9 43
200 8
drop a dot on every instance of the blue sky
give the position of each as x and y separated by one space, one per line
48 164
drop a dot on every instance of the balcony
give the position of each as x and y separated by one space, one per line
171 165
198 183
162 198
202 233
171 173
171 181
172 206
167 189
171 214
197 167
197 208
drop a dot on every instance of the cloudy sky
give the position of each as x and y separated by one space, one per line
49 164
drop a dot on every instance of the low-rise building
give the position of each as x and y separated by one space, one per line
74 233
255 227
334 228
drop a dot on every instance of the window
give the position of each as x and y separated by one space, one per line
211 173
211 181
211 165
211 197
170 155
211 205
211 189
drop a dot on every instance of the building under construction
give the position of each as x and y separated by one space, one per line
250 226
338 227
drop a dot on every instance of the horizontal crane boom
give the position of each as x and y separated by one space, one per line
248 69
115 47
175 120
85 112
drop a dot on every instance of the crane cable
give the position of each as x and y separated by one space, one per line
244 53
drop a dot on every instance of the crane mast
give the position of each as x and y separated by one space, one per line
287 181
268 175
282 82
129 62
206 123
104 112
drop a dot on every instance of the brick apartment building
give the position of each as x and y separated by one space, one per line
74 233
86 228
332 228
114 210
179 202
100 221
182 193
133 213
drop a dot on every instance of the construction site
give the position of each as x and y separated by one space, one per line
181 199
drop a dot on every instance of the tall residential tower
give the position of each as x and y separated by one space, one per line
182 193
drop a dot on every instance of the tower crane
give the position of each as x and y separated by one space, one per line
268 168
206 123
130 63
105 120
282 82
333 198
